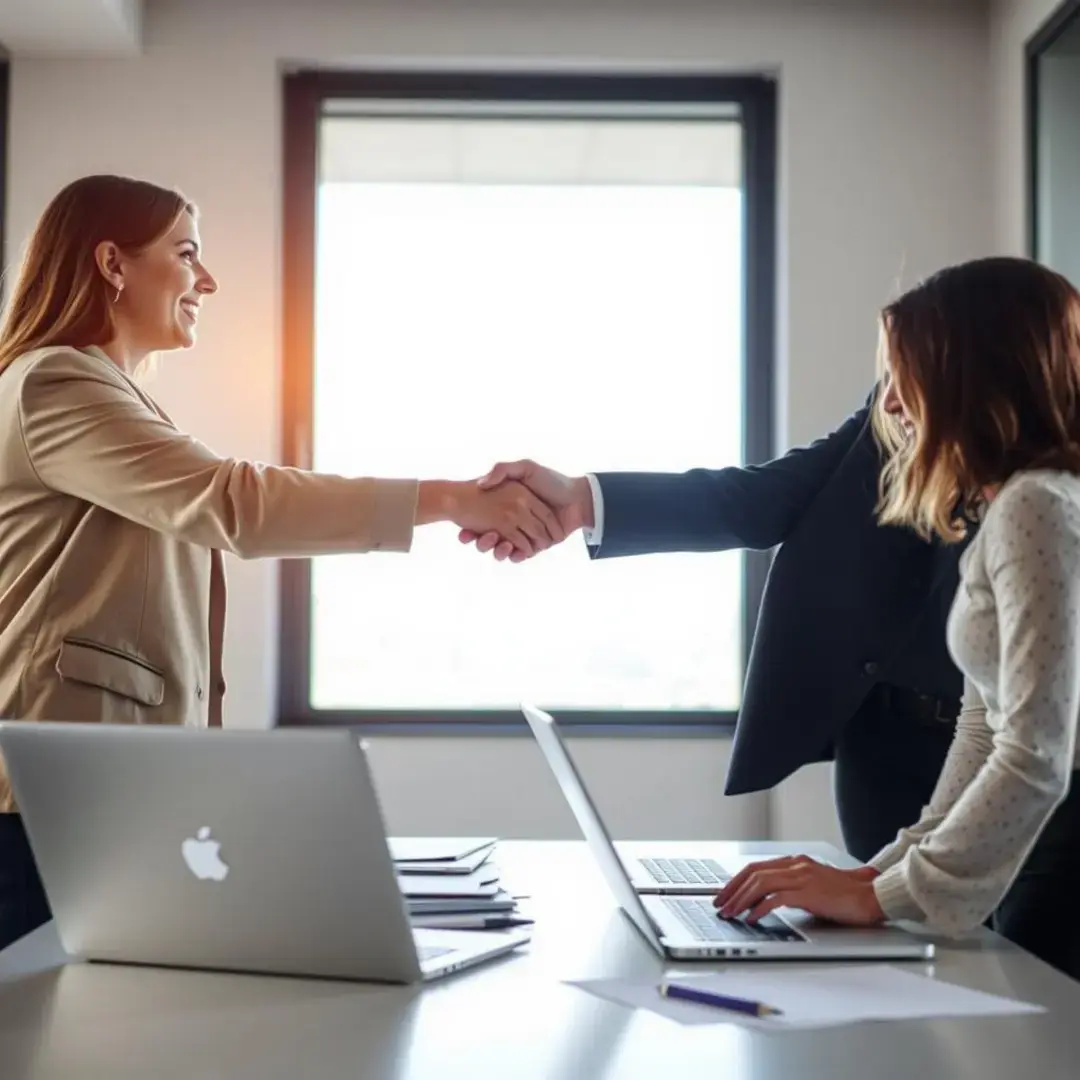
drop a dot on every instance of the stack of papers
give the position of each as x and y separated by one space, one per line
453 883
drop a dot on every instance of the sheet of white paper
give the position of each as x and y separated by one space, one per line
816 996
644 995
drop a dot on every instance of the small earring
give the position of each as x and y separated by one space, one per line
119 290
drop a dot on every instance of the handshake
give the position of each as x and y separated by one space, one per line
520 509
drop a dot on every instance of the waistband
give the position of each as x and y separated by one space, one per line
938 710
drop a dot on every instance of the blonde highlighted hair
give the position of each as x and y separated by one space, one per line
986 359
60 296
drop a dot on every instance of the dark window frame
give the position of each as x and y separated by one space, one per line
304 92
5 124
1062 19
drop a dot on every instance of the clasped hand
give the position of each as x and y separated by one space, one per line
566 506
510 511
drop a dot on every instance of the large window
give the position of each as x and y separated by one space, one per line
573 270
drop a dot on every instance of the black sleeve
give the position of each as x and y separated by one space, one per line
754 507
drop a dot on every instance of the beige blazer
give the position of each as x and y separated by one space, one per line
112 525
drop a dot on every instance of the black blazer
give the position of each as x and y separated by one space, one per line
847 602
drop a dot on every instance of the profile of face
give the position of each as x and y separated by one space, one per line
891 402
161 288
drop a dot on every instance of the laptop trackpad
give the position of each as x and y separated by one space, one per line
431 952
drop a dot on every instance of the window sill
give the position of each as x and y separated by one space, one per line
512 725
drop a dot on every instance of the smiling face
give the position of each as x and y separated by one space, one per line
161 290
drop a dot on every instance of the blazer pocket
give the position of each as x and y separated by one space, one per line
111 669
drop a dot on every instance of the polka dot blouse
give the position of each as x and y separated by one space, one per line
1014 632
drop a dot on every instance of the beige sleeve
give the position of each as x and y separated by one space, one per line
88 433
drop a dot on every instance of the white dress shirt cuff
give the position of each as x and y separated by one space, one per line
594 536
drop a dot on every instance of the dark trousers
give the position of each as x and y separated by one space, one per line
888 760
23 906
1039 910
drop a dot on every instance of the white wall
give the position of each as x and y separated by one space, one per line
885 139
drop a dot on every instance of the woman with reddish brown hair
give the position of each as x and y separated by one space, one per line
113 521
980 416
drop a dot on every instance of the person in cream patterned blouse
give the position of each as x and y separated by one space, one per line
979 416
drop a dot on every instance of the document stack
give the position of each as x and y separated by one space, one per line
452 883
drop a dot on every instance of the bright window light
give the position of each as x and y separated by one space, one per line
588 318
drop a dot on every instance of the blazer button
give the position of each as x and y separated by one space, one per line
198 692
870 668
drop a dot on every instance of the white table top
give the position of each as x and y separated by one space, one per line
514 1019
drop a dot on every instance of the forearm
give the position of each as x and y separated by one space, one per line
700 510
754 507
955 877
435 501
261 511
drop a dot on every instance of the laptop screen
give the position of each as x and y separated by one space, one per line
573 788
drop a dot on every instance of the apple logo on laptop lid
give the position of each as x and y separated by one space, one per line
203 858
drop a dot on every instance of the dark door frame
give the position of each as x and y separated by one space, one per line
1061 20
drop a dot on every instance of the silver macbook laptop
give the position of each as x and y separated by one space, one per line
688 927
237 850
676 876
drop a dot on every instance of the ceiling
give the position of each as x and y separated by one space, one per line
70 27
114 27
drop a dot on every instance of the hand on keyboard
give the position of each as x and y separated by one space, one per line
844 896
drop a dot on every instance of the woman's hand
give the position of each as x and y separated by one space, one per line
511 510
570 497
844 896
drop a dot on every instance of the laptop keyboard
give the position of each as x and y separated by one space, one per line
699 916
686 871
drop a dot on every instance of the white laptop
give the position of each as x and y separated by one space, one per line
230 850
688 927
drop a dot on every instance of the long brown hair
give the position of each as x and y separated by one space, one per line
986 358
60 297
